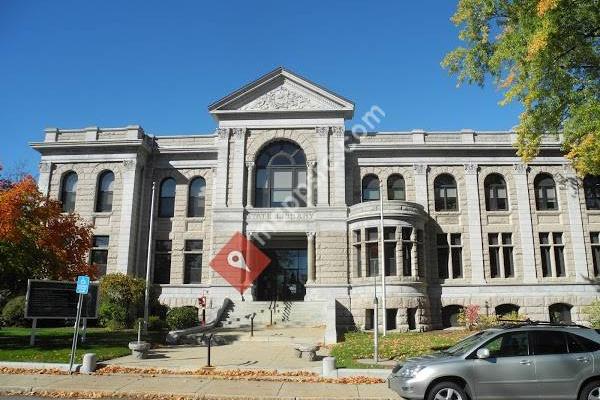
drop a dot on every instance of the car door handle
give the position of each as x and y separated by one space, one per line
525 362
583 359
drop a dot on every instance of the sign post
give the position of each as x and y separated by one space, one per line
83 286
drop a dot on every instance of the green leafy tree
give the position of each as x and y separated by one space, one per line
544 54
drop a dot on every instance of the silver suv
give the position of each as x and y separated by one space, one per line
517 361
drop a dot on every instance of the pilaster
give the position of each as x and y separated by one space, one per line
474 223
126 241
421 192
45 177
339 166
525 225
249 184
237 166
222 167
322 150
576 224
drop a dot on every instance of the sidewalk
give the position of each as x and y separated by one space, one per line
186 386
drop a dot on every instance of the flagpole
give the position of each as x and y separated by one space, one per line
149 262
382 262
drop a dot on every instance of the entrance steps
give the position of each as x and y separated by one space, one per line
278 314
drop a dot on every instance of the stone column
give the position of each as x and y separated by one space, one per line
413 254
45 177
322 150
222 141
338 186
310 186
576 224
525 224
250 184
399 251
421 190
474 223
126 243
237 167
310 256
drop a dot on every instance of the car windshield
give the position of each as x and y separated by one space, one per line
468 342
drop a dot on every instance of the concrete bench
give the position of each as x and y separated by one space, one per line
309 351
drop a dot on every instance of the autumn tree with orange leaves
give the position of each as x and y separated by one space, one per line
38 240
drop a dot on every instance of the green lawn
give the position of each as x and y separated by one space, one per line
54 344
397 346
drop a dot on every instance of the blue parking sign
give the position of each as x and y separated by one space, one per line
83 284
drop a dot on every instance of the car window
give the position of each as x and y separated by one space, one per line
469 342
549 342
509 345
578 344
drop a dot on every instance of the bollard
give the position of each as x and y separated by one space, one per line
329 367
208 364
88 364
252 325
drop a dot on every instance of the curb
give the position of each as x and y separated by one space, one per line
38 365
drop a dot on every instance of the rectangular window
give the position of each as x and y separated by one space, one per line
390 258
456 251
552 254
442 255
162 262
501 255
372 258
99 254
406 251
390 318
595 239
369 319
357 252
193 261
372 234
420 254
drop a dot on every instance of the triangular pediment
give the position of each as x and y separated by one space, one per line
282 91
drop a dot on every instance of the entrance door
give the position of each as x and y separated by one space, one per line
284 278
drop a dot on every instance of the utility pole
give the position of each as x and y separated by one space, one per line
149 262
382 261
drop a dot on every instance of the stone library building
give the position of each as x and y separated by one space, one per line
465 221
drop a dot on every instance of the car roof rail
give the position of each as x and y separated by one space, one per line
513 323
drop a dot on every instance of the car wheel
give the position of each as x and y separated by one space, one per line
448 391
591 391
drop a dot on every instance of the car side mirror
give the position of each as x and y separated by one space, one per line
483 353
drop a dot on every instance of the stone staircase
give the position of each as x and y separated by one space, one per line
279 314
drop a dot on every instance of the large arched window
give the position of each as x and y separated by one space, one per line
591 187
370 188
496 198
68 192
196 196
446 194
395 187
281 176
166 202
545 192
104 195
503 310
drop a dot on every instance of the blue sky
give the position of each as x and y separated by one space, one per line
72 64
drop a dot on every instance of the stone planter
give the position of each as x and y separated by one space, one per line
139 349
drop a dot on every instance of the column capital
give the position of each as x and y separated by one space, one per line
238 133
129 165
337 131
322 131
311 163
223 133
310 235
420 169
250 164
45 166
471 168
520 168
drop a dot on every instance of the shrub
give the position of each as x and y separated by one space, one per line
469 316
182 317
121 300
592 312
13 313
